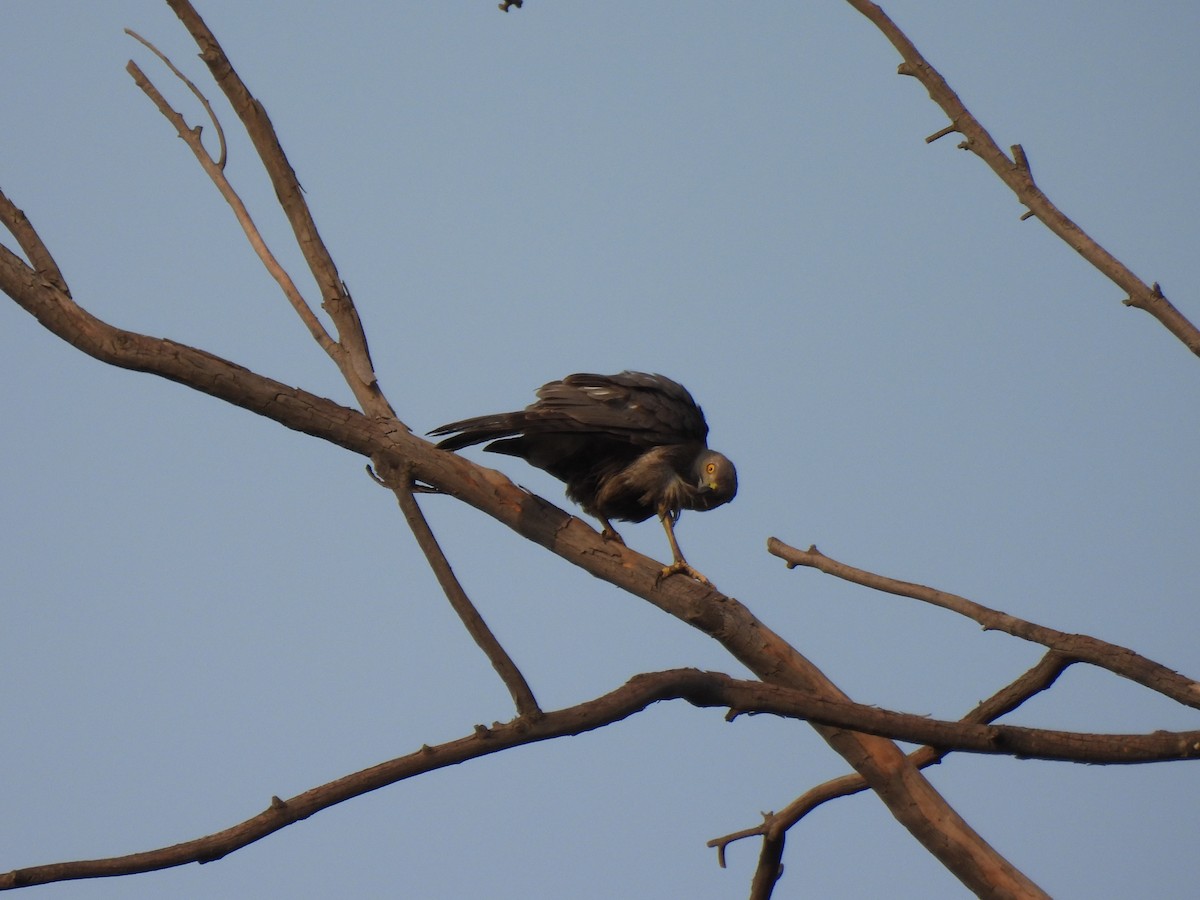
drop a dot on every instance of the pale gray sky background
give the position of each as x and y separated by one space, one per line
200 609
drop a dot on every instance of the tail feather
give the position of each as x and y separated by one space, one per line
468 432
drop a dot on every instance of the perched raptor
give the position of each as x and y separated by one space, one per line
628 446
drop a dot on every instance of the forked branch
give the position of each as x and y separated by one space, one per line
336 298
32 245
775 825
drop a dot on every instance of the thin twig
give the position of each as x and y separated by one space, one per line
1116 659
940 133
223 155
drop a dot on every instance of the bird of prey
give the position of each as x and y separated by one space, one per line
628 446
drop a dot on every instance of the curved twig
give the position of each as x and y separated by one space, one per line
212 116
1116 659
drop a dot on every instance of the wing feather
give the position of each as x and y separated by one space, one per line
645 410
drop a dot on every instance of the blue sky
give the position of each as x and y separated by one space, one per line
201 609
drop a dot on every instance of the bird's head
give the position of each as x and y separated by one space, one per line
716 480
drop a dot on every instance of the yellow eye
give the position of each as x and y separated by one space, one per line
710 468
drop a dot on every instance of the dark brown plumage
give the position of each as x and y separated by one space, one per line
628 446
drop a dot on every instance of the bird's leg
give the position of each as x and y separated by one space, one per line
680 564
609 533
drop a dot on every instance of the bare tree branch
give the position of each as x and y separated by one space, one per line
336 298
1016 174
1006 740
702 689
794 687
399 481
293 407
625 701
1118 660
775 825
